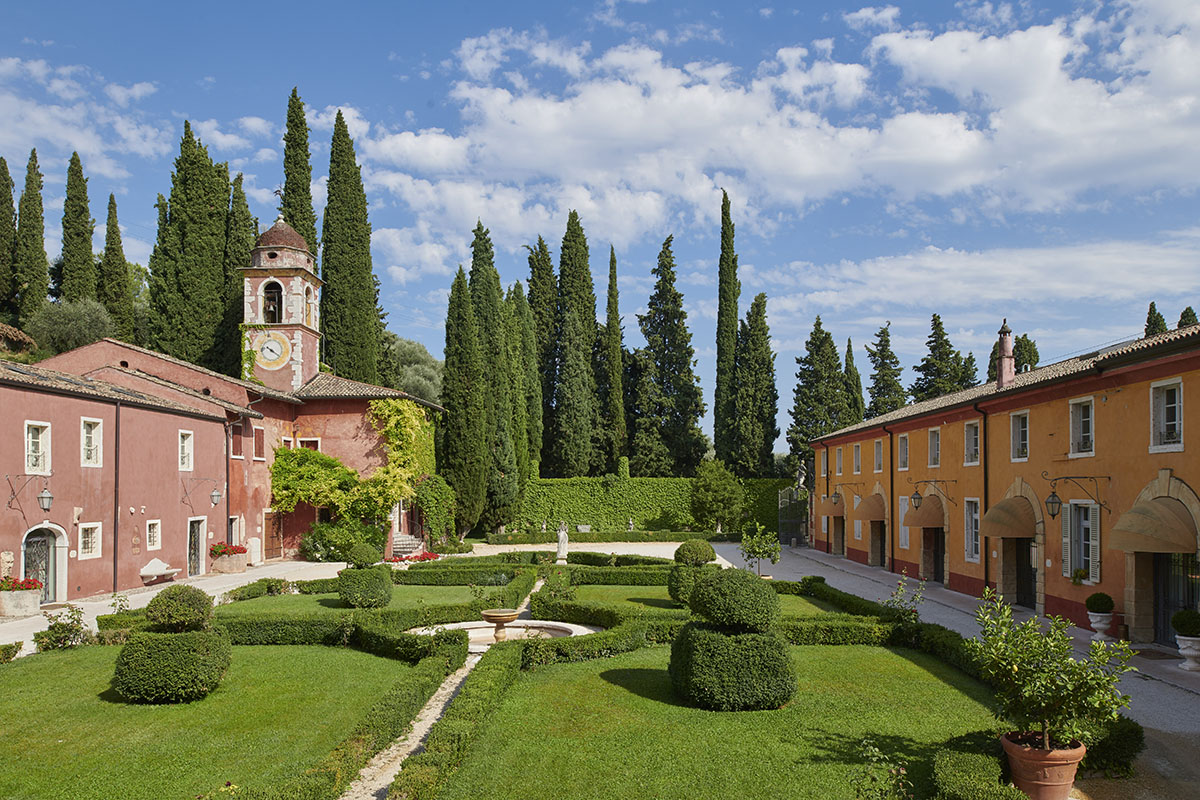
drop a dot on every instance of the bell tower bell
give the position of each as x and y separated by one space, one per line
281 310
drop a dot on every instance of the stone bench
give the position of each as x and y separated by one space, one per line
158 570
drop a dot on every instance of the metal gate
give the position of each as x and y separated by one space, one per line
1026 572
39 561
793 516
1176 587
195 528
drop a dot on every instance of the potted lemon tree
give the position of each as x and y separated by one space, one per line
1050 697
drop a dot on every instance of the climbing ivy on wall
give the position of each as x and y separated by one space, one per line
307 476
435 498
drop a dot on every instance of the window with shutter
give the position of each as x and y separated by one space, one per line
935 447
37 448
235 441
1065 518
1094 544
879 455
1166 416
857 522
90 439
837 458
185 451
1082 441
902 452
1019 424
857 458
824 463
971 530
260 445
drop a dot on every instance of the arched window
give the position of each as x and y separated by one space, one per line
308 306
272 303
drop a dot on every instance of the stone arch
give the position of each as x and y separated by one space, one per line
1006 549
1167 485
272 302
62 545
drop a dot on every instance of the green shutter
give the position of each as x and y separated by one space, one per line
1066 540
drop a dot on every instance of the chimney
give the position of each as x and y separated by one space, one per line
1006 368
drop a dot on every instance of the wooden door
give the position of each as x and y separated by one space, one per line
272 535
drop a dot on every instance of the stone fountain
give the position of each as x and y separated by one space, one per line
499 617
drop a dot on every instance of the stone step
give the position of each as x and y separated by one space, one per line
407 545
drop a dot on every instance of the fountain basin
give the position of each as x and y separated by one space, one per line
481 634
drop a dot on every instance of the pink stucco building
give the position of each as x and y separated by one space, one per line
151 459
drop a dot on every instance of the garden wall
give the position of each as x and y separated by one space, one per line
654 503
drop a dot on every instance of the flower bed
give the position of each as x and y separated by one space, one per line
20 597
227 558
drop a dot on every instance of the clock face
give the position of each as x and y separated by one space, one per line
272 350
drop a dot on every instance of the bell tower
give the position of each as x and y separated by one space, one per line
281 310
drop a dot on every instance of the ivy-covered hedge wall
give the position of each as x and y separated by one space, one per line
653 503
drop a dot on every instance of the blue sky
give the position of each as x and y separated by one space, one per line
1030 160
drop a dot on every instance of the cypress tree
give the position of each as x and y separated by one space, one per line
669 346
1025 354
886 391
1188 318
855 406
296 203
8 240
649 455
756 399
1155 323
349 302
819 399
515 341
968 371
112 284
610 378
543 305
187 273
575 409
240 234
488 303
29 256
940 371
728 290
525 362
462 457
78 263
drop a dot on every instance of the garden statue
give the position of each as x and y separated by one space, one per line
543 526
562 543
631 524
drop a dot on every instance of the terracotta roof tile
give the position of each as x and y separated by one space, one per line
36 377
16 335
281 235
1059 370
327 386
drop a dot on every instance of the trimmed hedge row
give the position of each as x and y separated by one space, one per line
482 575
386 721
316 586
519 557
266 628
132 620
600 536
614 560
972 769
652 503
423 775
614 576
259 588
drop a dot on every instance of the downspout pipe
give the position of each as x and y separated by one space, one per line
116 498
983 440
891 528
228 455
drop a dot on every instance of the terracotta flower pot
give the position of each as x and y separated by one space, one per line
1042 774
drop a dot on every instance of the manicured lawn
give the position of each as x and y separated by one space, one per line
402 597
656 597
278 711
613 728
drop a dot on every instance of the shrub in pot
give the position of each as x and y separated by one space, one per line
734 660
1187 635
1054 700
180 608
171 667
1100 613
365 588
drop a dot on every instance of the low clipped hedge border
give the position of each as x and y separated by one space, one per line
9 651
481 575
423 775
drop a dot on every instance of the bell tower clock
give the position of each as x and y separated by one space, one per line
281 310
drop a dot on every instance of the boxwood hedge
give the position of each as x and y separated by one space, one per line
725 671
171 667
366 588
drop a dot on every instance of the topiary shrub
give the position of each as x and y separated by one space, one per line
1099 603
366 588
362 556
332 541
736 600
734 661
731 672
695 552
171 667
682 580
1186 622
180 608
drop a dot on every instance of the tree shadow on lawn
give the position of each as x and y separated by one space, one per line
656 602
652 684
916 757
333 602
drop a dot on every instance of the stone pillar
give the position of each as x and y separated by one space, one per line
1139 596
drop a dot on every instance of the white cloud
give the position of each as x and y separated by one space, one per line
766 13
256 126
323 120
264 155
124 95
209 131
872 17
425 150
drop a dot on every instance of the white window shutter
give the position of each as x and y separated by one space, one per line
966 531
1066 540
1094 544
903 505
